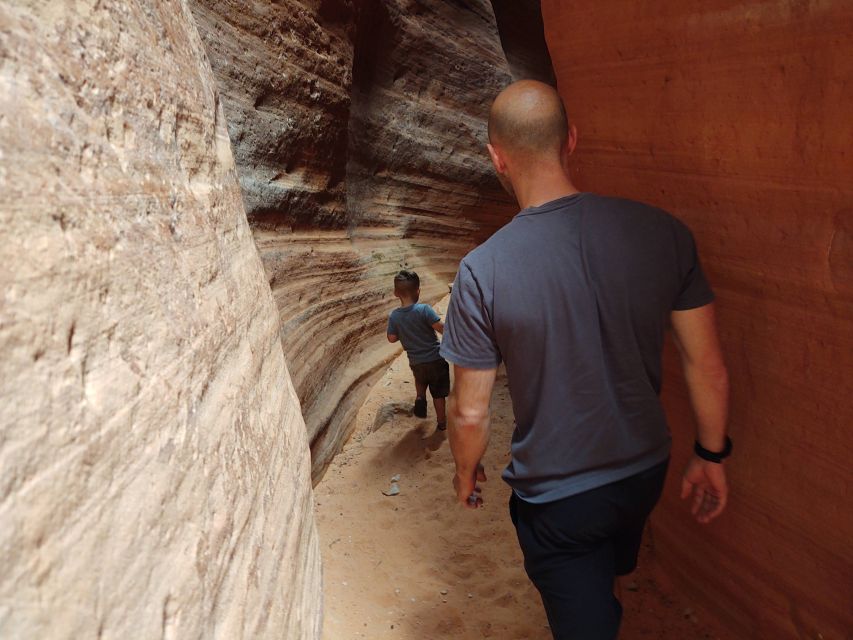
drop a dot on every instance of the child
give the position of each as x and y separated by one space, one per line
414 325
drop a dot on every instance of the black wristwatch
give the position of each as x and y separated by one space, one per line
714 456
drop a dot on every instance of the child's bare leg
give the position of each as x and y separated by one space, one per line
440 414
420 390
440 411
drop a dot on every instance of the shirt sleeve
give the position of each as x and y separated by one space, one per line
695 291
392 326
469 339
431 316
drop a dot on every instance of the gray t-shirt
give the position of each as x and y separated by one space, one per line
413 325
575 297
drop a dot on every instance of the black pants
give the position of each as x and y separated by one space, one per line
575 547
435 375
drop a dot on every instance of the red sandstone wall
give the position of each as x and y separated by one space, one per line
738 117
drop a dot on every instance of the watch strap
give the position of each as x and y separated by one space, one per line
714 456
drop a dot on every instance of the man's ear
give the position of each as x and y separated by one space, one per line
497 160
572 139
568 147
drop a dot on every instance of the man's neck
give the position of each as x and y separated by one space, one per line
535 189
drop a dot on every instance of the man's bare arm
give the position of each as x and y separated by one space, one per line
391 337
469 429
439 326
695 333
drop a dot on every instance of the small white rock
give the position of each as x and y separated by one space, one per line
393 490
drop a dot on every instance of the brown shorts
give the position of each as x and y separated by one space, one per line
436 375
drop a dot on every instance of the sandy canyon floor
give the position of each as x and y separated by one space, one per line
416 566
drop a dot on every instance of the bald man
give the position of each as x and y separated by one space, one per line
575 296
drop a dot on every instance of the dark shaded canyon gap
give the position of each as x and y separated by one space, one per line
736 117
522 34
358 131
154 469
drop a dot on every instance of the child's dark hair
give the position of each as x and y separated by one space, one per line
407 283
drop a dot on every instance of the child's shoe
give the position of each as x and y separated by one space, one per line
420 408
441 426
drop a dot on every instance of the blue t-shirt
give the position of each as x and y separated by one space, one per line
575 297
413 325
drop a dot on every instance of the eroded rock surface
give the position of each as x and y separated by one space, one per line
359 134
735 116
154 470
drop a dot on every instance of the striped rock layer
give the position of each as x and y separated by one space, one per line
359 135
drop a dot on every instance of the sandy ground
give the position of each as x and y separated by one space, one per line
417 566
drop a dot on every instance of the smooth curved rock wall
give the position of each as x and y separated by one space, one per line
359 135
736 117
154 470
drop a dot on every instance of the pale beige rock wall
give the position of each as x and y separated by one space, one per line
154 472
359 134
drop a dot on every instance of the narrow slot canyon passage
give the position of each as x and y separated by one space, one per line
203 205
415 566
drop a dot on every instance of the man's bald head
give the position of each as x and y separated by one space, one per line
528 119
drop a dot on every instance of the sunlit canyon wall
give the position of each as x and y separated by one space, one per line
154 466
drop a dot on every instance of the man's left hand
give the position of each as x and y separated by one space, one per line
467 490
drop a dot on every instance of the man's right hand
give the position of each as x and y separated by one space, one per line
707 482
467 489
